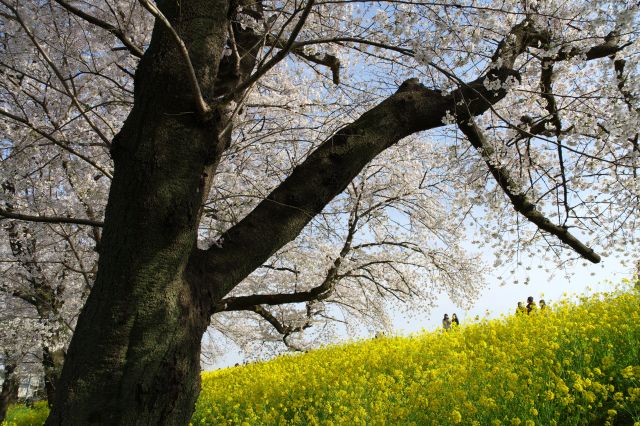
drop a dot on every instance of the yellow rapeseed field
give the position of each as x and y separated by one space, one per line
570 364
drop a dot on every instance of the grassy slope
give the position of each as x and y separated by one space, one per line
23 416
570 365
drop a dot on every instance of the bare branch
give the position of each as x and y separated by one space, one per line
325 59
63 81
284 329
274 60
520 201
56 142
275 268
49 219
131 47
321 292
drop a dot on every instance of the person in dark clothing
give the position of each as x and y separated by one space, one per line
531 305
454 320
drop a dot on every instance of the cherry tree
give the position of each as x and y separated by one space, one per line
293 161
10 383
17 347
385 242
44 278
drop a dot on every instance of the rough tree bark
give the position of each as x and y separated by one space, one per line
10 385
52 362
134 357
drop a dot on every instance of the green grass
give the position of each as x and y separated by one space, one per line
20 415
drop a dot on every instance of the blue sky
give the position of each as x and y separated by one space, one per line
496 299
582 278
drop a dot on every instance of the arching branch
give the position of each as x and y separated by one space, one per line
328 170
521 202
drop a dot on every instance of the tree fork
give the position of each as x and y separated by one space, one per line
134 357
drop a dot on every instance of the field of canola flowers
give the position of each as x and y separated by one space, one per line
566 365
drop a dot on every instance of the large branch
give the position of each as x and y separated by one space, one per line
328 170
609 47
318 293
520 201
243 303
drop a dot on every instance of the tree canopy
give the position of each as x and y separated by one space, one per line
279 165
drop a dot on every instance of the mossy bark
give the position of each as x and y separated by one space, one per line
134 356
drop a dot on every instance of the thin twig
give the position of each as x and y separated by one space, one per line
131 47
58 74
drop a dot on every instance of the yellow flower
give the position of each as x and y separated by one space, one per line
628 372
456 417
507 370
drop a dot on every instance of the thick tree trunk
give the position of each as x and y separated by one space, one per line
134 356
52 361
10 386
